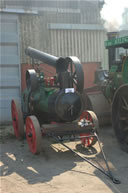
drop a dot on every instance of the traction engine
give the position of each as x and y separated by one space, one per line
53 106
114 85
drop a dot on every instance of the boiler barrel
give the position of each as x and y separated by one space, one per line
42 56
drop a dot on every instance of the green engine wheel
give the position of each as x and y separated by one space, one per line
120 116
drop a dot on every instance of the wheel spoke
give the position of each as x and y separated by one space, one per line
126 128
125 107
75 82
90 117
123 118
74 75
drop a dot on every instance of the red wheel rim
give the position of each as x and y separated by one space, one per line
86 141
17 119
31 135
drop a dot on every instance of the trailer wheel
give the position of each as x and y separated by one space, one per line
90 116
33 134
17 119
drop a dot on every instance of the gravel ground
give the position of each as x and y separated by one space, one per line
56 169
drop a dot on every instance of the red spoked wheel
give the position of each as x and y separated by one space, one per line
17 119
33 134
90 117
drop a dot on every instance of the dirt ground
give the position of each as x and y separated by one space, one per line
56 169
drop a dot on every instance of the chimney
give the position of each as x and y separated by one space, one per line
112 51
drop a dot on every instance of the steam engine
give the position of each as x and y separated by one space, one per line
57 98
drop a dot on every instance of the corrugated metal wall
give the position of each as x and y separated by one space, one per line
30 34
90 11
87 45
10 74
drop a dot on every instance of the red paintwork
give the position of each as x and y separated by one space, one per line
31 140
87 141
15 119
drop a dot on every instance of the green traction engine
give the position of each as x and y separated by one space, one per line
59 97
53 105
114 85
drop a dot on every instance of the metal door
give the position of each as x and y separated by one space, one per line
10 76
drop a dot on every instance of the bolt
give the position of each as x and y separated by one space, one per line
29 134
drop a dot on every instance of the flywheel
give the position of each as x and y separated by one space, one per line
77 74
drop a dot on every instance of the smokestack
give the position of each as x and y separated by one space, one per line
111 51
